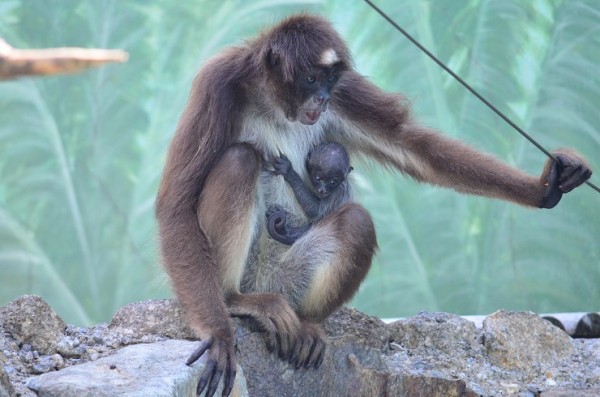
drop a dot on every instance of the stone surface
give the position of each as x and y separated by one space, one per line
347 370
524 341
30 320
428 386
162 317
572 393
431 354
153 369
440 331
358 327
6 387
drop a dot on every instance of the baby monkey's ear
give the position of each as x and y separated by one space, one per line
350 169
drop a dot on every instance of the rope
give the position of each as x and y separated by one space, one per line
468 87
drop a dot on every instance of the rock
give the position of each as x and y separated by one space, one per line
162 317
30 320
347 370
428 386
431 354
358 327
571 393
524 341
443 332
154 369
6 388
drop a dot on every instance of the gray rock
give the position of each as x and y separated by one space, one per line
427 386
428 355
524 341
30 320
357 327
572 393
162 317
347 370
6 388
155 369
443 332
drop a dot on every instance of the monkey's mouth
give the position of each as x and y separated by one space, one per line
310 117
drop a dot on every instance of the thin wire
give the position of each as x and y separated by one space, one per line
468 87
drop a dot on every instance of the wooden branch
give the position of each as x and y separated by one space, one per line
15 62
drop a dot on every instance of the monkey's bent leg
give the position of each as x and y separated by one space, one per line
337 251
329 262
227 211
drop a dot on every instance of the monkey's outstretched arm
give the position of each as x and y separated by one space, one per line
381 128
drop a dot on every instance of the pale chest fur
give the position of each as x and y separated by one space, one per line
270 139
291 139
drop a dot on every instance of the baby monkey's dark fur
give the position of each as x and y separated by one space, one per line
328 166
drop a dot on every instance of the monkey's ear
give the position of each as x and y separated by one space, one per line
350 169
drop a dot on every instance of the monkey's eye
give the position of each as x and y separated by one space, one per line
311 79
332 78
332 182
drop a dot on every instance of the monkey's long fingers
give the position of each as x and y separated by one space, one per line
271 337
285 340
322 347
288 327
204 346
576 176
207 375
294 357
229 380
214 381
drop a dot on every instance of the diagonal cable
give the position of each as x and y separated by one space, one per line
468 87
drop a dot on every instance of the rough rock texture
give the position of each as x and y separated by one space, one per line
120 374
30 320
435 331
431 354
347 370
524 341
6 387
362 329
162 317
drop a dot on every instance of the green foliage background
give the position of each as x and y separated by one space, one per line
81 155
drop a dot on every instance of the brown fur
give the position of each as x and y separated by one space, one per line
247 105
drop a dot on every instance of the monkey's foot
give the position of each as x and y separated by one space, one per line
274 315
309 348
221 362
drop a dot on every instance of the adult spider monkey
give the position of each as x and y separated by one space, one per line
328 166
285 91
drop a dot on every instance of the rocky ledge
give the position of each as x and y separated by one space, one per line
143 350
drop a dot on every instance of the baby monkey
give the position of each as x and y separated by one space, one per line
328 166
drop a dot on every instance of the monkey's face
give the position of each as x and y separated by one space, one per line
313 89
304 94
325 181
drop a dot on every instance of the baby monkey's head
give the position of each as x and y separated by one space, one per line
328 166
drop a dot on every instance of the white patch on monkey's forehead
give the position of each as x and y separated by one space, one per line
329 57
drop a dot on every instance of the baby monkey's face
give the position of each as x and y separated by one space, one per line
328 167
325 181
